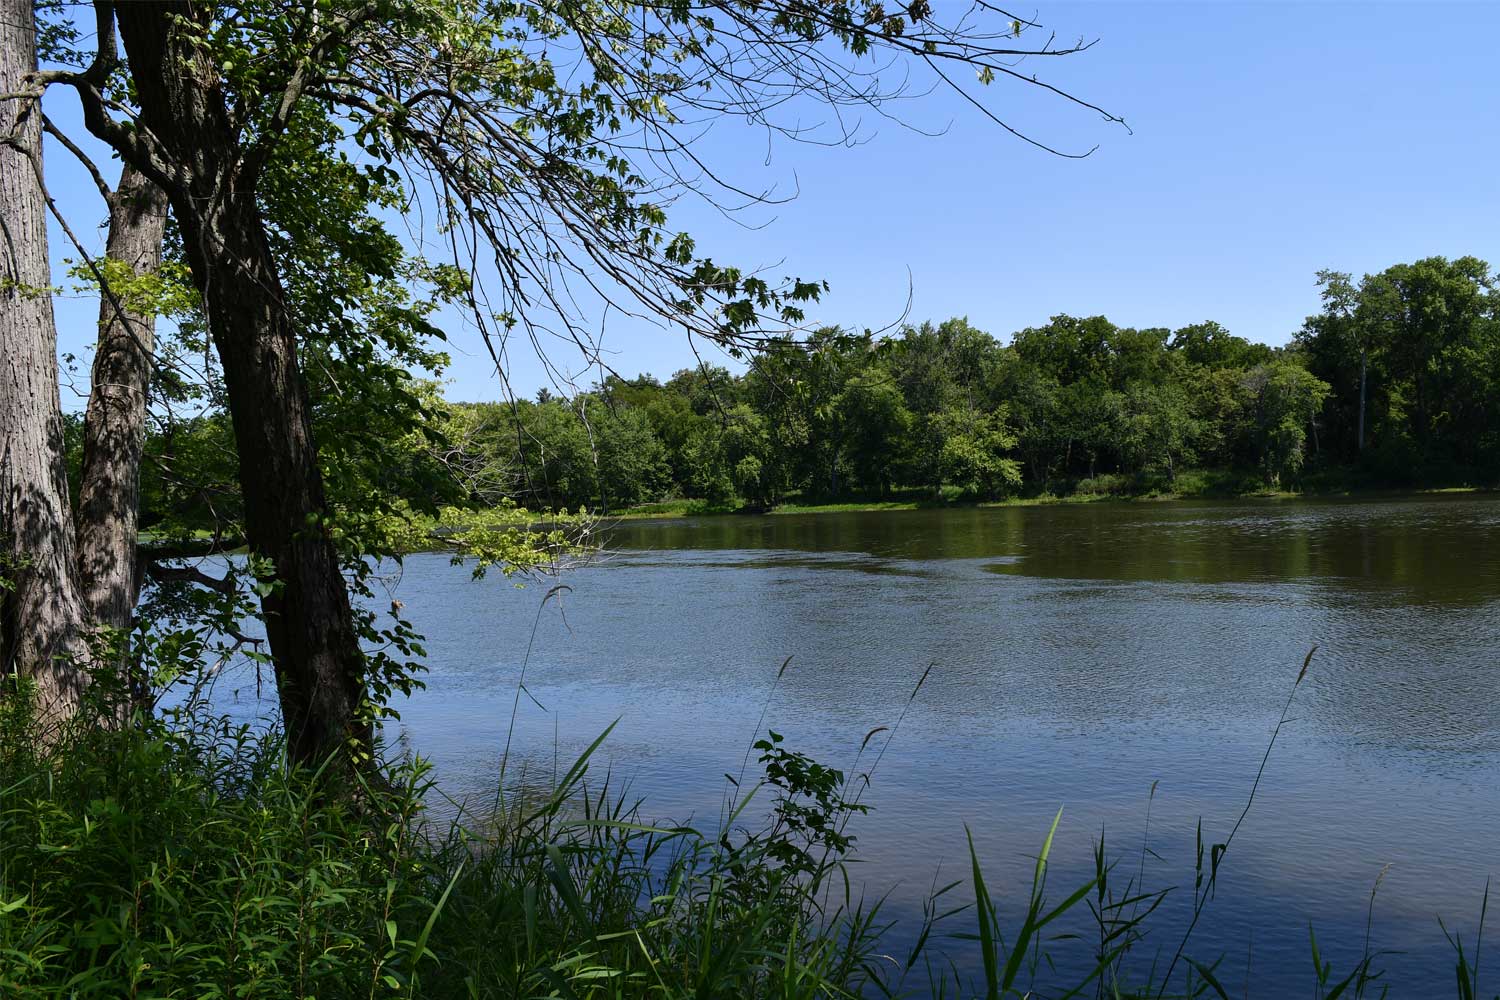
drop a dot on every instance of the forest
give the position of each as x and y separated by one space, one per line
1390 384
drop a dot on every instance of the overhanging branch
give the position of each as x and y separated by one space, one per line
159 573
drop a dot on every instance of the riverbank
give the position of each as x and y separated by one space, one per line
703 508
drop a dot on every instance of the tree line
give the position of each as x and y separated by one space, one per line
1392 382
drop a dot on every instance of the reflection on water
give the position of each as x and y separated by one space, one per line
1441 550
1082 652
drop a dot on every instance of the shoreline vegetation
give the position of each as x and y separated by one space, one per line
689 508
1371 395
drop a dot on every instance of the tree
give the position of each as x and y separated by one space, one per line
1210 345
630 463
817 372
1157 425
115 422
877 422
1070 349
107 573
976 453
1339 302
552 451
1282 399
1435 321
773 390
1215 407
1090 415
42 638
1410 353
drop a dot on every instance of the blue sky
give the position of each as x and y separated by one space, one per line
1269 140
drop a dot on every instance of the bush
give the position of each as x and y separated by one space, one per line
1105 484
1216 483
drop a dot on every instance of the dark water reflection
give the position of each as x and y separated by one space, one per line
1438 550
1082 652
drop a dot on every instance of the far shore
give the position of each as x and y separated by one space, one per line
701 508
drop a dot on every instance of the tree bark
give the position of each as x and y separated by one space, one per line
114 426
41 636
309 624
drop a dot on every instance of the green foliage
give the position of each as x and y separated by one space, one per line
183 856
809 813
939 410
973 455
872 409
1282 397
1424 339
187 859
1209 345
512 539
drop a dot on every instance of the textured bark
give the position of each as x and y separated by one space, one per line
41 636
114 427
200 160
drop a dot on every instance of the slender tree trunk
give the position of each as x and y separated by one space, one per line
114 427
1363 366
41 636
309 624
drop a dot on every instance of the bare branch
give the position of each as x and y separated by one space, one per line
80 155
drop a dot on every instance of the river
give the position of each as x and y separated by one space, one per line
1080 654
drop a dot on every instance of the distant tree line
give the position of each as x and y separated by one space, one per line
949 409
1394 382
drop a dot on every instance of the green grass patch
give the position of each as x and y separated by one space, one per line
676 508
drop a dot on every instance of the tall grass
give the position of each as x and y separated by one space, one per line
183 857
188 860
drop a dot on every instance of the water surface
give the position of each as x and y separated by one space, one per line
1081 654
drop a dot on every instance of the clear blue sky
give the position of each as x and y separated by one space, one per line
1270 140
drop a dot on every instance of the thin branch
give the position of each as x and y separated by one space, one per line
88 164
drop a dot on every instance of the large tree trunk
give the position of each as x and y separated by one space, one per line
309 624
114 427
41 636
